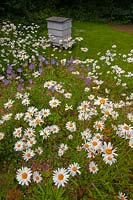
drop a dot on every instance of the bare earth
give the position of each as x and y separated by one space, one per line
125 28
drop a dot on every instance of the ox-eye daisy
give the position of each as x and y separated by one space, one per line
60 177
24 175
122 196
1 135
71 126
74 169
37 177
28 154
54 103
109 159
93 168
108 149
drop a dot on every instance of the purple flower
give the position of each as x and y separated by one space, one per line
89 69
40 70
46 62
6 81
53 61
9 71
10 67
87 81
41 58
70 68
19 70
12 75
71 60
30 81
19 86
31 66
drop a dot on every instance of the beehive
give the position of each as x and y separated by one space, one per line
59 30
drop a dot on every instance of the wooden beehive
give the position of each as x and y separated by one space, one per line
59 30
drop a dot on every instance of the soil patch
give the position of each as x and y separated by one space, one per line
125 28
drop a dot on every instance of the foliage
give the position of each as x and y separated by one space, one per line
95 10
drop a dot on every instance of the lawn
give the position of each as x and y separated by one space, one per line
66 116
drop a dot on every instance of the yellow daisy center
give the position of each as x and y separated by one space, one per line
109 158
126 128
74 168
108 151
37 178
99 126
93 168
86 146
60 177
37 121
102 101
24 175
94 143
28 154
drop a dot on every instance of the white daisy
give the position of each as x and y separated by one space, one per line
108 149
109 159
60 177
37 177
68 95
54 103
18 146
122 196
28 154
71 126
24 175
1 135
93 168
45 112
74 169
8 104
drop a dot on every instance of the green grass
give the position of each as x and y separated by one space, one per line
109 180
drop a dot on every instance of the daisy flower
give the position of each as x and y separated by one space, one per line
131 142
84 49
68 107
45 112
54 103
100 101
23 175
68 95
54 129
8 104
122 196
108 149
109 159
37 177
39 150
25 102
18 116
130 116
18 146
17 132
28 154
93 168
99 125
29 132
91 97
1 135
71 126
60 177
74 169
6 117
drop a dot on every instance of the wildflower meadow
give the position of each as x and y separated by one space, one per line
66 115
